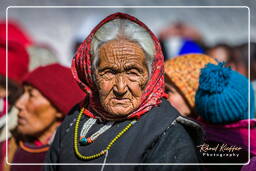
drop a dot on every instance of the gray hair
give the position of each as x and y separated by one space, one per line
126 29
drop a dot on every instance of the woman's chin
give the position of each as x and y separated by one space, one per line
25 130
120 111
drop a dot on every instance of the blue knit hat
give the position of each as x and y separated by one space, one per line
222 95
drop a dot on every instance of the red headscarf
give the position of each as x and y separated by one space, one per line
82 72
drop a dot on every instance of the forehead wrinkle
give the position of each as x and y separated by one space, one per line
104 55
126 47
121 51
133 65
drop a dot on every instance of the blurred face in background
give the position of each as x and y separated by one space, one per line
176 99
239 60
219 53
36 114
2 92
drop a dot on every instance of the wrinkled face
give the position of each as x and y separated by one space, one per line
176 100
121 76
36 114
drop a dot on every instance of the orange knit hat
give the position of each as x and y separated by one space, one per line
184 72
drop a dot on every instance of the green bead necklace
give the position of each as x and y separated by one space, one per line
104 151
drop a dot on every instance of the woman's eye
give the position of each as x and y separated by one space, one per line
110 72
107 74
168 90
133 75
133 72
31 94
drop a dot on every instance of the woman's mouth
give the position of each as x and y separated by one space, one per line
21 121
120 101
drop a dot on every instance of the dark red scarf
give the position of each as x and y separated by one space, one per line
82 72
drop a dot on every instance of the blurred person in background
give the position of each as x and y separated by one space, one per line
18 62
253 61
222 52
179 39
222 103
24 55
253 70
239 59
50 93
15 33
182 79
18 57
239 62
18 67
40 54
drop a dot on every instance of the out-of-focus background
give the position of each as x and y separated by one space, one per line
61 29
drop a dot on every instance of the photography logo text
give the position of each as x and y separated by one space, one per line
219 150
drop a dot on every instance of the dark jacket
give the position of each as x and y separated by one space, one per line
159 136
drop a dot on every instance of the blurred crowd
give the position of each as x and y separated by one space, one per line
213 85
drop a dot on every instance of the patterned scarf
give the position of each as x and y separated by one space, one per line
82 72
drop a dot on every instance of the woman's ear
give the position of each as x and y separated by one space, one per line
59 115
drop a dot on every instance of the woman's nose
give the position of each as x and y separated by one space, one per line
21 102
120 87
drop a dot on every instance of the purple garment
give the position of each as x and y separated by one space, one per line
22 156
251 166
233 134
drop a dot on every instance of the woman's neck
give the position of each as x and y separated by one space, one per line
47 135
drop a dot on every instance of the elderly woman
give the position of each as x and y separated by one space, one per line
124 118
49 94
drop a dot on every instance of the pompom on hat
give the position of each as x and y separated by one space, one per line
57 84
222 96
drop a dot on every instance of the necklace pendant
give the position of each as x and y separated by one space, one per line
85 141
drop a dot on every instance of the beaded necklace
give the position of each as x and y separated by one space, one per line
104 151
